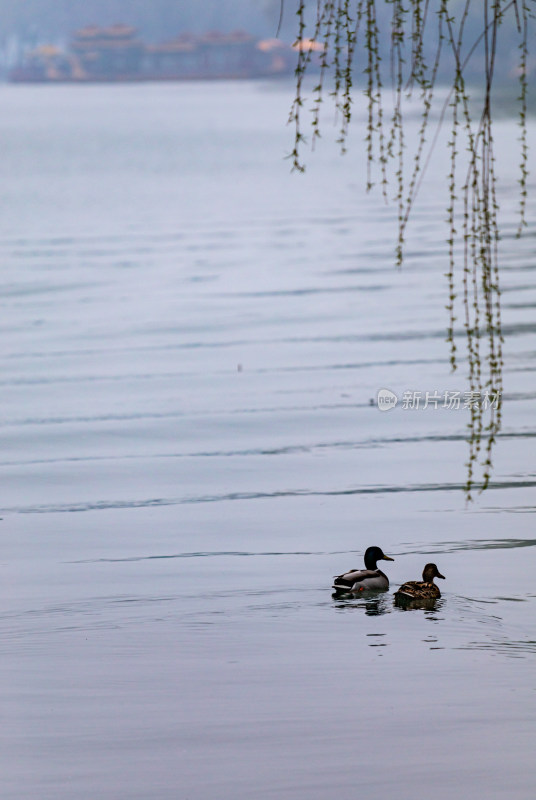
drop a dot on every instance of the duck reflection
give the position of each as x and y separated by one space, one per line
372 603
405 603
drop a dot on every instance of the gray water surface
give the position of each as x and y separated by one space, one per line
190 341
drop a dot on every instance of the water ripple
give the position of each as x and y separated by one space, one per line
209 554
468 544
151 502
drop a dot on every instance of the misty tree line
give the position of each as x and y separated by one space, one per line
53 20
32 22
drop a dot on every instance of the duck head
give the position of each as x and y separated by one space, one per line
373 555
430 572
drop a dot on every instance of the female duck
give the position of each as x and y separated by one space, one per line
421 590
357 580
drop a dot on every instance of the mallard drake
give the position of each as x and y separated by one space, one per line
357 580
421 590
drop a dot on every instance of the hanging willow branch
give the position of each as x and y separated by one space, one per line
422 36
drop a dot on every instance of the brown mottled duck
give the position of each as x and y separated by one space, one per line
421 590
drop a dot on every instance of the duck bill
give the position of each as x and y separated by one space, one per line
439 575
388 558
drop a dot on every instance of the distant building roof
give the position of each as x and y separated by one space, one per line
308 45
181 44
267 45
47 51
117 31
115 37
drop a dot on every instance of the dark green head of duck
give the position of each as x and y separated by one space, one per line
373 555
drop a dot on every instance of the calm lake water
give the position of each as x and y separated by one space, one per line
190 341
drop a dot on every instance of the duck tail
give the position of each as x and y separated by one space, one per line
341 586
